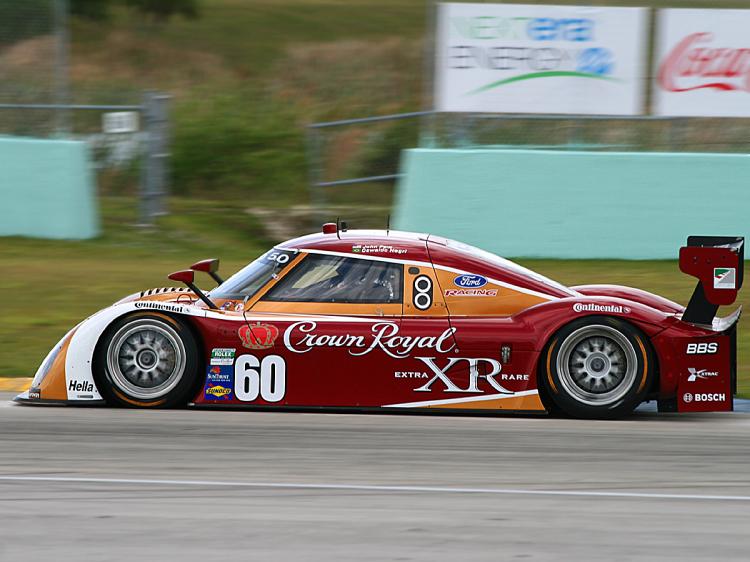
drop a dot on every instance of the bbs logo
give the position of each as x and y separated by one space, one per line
422 297
702 348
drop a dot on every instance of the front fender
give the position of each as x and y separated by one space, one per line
66 374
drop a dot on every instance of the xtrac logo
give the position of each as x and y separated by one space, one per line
696 374
702 348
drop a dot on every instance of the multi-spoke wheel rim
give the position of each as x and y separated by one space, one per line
597 365
146 359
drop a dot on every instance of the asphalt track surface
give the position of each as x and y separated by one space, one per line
103 484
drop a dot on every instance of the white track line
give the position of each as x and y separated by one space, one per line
376 488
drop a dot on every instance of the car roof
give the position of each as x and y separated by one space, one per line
413 247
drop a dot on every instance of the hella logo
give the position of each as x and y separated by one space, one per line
472 281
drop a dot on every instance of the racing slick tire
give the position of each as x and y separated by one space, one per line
597 368
147 360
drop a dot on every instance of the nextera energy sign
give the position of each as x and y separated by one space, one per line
519 58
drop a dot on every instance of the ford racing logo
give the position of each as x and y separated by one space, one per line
472 281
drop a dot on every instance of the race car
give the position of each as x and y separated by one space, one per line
385 320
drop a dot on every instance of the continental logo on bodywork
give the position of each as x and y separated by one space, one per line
593 307
151 305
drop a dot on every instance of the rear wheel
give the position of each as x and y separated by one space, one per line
598 367
148 361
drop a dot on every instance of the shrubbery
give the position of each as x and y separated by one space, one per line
237 144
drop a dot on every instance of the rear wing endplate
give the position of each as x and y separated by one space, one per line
718 262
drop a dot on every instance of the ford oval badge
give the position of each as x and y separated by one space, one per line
470 281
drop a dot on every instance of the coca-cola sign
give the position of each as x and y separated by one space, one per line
694 64
703 65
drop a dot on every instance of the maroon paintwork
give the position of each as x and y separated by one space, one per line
367 362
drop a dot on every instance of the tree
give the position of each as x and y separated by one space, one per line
91 9
162 10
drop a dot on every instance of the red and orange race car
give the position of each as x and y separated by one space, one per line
373 320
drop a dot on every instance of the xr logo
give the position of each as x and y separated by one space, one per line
474 376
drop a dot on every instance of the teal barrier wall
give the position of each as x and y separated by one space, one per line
556 204
47 189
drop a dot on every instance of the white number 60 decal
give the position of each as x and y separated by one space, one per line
266 378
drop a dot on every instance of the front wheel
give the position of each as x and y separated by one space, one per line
598 367
147 360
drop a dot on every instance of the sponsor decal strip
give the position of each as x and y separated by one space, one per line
377 488
463 400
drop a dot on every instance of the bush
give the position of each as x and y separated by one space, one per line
24 19
382 152
234 144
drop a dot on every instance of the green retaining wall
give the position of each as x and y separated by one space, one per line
47 189
555 204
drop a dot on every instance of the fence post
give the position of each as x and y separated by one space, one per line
315 167
62 79
154 170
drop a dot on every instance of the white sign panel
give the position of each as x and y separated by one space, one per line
703 63
521 58
120 122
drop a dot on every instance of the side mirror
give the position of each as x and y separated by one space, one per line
208 266
187 276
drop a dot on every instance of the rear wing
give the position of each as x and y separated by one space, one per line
718 262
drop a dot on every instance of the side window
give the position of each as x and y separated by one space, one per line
336 279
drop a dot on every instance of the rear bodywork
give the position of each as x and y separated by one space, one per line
468 332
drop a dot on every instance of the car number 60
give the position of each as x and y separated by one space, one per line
265 378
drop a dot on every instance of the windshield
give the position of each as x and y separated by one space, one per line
250 279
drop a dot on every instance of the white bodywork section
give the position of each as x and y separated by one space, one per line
79 377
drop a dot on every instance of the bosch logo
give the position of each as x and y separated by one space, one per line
704 397
472 281
715 397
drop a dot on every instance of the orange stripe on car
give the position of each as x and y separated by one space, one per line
549 369
645 363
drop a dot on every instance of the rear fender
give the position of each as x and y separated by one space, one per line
635 295
547 318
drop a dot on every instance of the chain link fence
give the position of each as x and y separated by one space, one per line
356 161
129 141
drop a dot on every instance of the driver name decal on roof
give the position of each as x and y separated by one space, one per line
302 337
377 249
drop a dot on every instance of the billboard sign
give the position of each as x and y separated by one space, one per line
703 63
522 58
